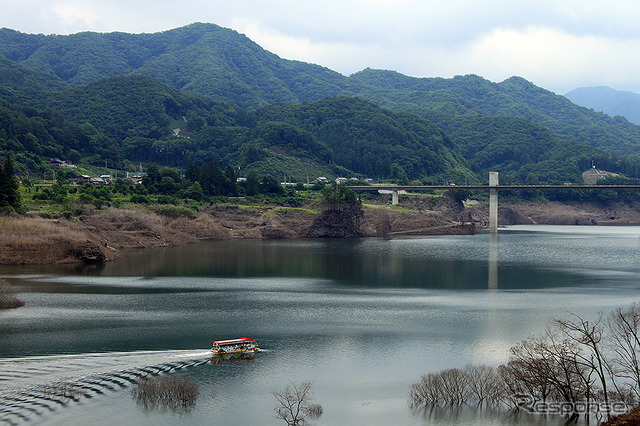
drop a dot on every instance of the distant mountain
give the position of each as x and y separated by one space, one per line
610 101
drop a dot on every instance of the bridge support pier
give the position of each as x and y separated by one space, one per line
394 198
493 203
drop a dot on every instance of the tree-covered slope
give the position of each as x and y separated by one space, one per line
238 104
33 136
221 64
136 105
369 140
140 119
526 152
199 58
440 100
22 85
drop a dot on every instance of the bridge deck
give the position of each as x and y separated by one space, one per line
486 187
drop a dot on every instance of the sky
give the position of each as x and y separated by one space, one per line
559 45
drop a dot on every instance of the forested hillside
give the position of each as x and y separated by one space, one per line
200 58
206 94
440 100
368 139
138 119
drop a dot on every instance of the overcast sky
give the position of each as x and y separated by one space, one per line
557 44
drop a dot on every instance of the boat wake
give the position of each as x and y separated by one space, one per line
34 386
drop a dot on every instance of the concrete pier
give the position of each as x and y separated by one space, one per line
493 202
394 197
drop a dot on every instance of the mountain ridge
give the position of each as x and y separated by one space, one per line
221 82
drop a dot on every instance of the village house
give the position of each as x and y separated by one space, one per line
90 179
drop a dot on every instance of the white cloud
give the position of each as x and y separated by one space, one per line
72 15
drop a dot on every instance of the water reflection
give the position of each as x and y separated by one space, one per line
493 261
469 414
446 262
361 319
217 359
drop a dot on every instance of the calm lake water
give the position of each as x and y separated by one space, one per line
361 319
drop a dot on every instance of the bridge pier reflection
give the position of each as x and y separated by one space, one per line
493 261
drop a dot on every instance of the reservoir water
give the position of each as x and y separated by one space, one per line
360 319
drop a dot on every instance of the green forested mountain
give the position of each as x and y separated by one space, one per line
139 119
368 139
221 64
235 103
440 100
22 85
200 58
35 135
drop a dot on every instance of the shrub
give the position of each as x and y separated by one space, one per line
175 212
139 199
64 389
165 199
8 300
176 393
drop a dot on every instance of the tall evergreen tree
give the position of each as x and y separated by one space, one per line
231 181
10 188
192 172
252 184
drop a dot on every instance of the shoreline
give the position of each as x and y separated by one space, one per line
98 235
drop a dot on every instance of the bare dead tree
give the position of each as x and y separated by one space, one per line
579 363
482 383
426 392
454 386
172 392
531 368
571 378
509 388
624 331
589 335
295 404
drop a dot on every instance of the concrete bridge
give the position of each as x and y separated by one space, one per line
493 189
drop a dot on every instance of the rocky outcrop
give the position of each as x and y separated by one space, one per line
89 253
335 224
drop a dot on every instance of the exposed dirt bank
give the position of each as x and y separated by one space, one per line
98 235
553 213
632 418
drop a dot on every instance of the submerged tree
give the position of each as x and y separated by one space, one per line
295 404
577 367
624 329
